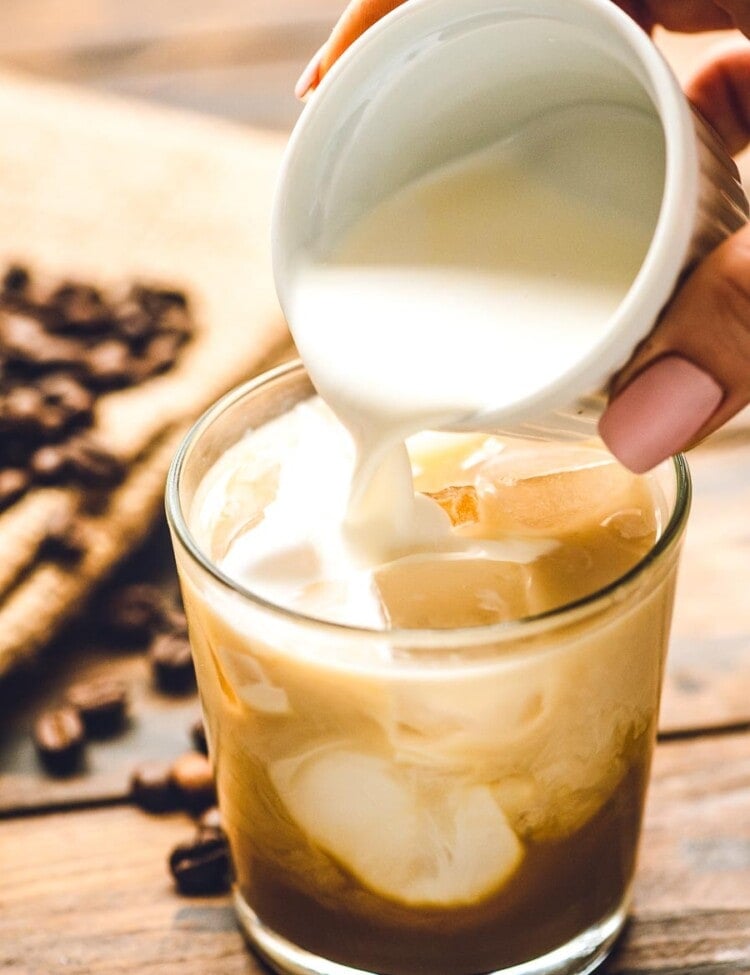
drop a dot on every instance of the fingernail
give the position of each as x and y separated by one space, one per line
309 76
659 413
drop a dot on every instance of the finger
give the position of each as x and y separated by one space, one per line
693 372
310 77
358 16
720 89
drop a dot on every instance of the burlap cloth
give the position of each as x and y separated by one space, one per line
106 191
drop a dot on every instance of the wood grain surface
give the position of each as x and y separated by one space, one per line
89 892
231 58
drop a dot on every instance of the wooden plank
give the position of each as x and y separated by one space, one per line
90 892
708 673
696 855
47 25
257 94
247 75
216 48
158 725
66 876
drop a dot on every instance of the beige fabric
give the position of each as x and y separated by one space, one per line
49 593
107 191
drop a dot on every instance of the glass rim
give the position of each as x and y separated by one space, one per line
504 631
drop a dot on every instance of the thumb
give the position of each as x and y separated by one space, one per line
693 372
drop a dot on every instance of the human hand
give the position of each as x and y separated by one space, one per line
692 373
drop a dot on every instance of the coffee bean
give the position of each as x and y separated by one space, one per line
80 306
59 738
175 319
133 323
198 736
160 354
52 422
66 540
210 819
25 412
136 612
14 451
172 297
23 339
50 464
21 409
192 775
102 704
21 293
175 621
155 300
152 788
63 391
172 663
91 464
22 406
14 482
16 279
108 365
202 865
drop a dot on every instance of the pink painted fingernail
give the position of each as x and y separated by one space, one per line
309 76
659 412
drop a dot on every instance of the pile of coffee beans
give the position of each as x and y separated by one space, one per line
142 616
138 615
95 709
187 783
60 349
200 864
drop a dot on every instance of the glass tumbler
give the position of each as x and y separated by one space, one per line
425 802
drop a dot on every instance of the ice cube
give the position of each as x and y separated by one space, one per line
248 493
459 503
470 721
415 839
444 591
550 732
350 601
439 458
323 598
554 503
632 523
249 681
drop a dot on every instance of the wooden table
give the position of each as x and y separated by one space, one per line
84 883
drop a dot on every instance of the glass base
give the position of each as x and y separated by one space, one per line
578 957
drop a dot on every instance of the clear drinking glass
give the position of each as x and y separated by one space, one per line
327 736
